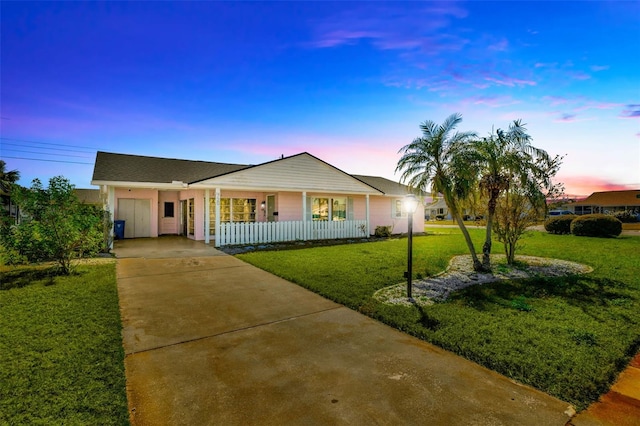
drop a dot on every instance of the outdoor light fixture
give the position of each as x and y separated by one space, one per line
410 205
263 206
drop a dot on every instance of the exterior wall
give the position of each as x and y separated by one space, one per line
198 214
289 206
381 214
141 194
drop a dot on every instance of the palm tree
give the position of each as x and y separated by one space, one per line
7 178
439 160
507 158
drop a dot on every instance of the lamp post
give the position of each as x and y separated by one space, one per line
410 205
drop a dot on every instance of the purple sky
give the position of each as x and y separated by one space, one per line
348 82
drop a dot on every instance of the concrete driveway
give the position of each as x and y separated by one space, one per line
212 340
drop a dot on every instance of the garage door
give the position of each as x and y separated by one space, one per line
136 214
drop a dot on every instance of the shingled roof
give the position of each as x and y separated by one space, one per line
386 186
111 167
612 199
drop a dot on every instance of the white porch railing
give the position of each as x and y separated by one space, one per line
271 232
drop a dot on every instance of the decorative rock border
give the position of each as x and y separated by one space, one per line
460 274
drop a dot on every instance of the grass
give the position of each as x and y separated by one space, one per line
62 359
569 336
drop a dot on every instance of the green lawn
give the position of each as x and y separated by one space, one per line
566 336
61 359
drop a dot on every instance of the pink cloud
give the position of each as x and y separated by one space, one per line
390 28
631 111
586 185
493 101
501 46
566 118
510 82
340 37
579 75
554 100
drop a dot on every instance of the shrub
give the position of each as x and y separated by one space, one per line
383 231
57 226
626 216
596 225
559 224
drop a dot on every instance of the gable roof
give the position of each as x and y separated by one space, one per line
114 168
612 198
300 172
111 167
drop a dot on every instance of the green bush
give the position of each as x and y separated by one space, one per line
596 225
56 226
559 224
383 231
626 216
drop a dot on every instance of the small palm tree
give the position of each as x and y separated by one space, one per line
506 158
7 178
439 160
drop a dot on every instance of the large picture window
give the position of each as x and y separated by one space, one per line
232 210
334 209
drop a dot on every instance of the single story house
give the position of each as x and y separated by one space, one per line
292 198
608 202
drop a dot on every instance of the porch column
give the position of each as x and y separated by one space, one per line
207 215
367 216
217 237
304 216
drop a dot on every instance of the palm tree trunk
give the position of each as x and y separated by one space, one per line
477 265
486 247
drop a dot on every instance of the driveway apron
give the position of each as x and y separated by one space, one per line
212 340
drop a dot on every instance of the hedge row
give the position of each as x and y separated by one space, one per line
590 225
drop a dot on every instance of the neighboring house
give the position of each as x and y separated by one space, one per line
293 198
608 202
437 210
88 196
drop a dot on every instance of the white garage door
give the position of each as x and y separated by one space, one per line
136 214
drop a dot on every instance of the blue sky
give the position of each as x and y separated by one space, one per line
349 82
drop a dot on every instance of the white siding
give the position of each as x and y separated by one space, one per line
301 172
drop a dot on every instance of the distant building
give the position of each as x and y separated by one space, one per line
89 196
609 202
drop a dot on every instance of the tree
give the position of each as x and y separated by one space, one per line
440 161
7 178
507 158
7 181
57 227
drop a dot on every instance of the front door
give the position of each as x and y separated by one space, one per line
184 218
271 207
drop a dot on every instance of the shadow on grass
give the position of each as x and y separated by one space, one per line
22 277
585 292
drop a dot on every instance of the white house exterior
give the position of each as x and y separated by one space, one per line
293 198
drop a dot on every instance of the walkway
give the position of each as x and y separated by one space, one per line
213 340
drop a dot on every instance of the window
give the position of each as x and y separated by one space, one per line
191 215
398 210
168 209
232 210
334 209
320 209
339 210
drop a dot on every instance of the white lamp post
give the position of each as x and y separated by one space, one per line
410 205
